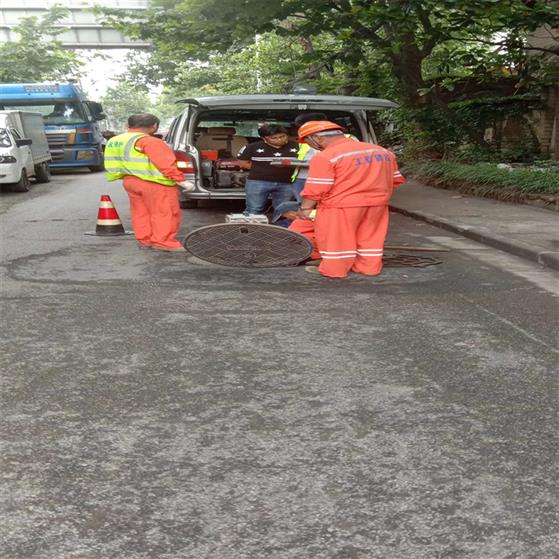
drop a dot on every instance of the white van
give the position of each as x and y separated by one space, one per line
24 150
210 131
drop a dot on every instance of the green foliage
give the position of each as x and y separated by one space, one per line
426 54
492 177
269 64
165 107
37 55
456 131
123 100
128 98
545 72
417 39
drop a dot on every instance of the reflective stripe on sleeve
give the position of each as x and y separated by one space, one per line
319 183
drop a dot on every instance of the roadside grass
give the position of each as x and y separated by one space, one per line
488 177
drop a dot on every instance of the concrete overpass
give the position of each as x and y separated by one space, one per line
85 31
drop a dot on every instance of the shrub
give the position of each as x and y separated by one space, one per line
539 180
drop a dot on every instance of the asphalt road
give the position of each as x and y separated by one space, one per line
158 407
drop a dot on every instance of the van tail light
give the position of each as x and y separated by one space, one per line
185 163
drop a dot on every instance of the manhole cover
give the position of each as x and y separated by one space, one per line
248 245
404 260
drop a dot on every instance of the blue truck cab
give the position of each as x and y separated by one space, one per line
71 122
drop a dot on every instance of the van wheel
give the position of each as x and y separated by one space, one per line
23 184
42 172
188 204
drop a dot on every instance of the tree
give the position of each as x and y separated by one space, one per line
128 98
402 33
269 64
123 100
37 55
426 54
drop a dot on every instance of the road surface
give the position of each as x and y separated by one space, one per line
158 407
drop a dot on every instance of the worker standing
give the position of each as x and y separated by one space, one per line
150 175
304 154
264 179
349 184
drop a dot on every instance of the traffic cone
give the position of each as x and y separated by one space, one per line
108 222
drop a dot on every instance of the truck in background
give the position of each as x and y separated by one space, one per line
71 121
24 149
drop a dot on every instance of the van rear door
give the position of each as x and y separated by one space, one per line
359 106
293 102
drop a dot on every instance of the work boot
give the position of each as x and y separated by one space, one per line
170 249
313 262
314 270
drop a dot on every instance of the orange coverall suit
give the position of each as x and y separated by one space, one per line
352 183
154 208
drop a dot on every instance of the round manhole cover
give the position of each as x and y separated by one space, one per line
248 245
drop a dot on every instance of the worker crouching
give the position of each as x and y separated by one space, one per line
350 184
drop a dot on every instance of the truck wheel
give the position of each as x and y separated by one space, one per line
98 168
188 204
23 184
42 172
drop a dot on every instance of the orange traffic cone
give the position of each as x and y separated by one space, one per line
108 222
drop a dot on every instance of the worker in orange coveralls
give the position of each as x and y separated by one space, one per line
149 171
349 184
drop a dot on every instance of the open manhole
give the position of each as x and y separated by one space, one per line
248 245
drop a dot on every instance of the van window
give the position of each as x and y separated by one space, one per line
5 141
247 128
246 122
170 136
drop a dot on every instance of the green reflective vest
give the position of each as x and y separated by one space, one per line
301 154
122 158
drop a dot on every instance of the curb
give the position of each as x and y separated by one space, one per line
482 235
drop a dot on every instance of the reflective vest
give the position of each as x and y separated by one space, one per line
122 158
301 154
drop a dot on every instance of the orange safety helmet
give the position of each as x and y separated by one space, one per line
314 126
